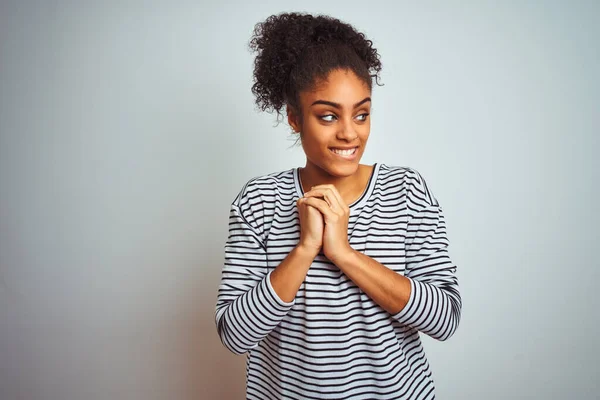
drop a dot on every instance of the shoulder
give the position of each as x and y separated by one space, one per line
410 181
258 199
264 188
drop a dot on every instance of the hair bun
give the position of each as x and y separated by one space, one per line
295 48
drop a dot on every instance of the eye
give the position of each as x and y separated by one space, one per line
325 117
362 117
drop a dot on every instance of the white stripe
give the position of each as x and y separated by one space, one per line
333 341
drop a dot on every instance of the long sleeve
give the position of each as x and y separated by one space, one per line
248 308
434 306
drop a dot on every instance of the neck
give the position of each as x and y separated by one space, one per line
350 187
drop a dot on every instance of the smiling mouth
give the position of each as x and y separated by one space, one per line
346 153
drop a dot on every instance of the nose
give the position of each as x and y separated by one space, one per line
347 131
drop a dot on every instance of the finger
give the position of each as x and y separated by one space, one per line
324 193
320 205
321 194
327 195
336 194
301 204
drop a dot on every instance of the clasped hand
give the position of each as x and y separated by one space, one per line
324 221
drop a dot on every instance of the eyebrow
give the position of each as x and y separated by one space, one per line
337 105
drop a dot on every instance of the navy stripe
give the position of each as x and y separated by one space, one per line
333 341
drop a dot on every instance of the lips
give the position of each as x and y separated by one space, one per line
346 153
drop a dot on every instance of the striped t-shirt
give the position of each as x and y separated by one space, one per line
332 341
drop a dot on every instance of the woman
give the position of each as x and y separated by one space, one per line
332 270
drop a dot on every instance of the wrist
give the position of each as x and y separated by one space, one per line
307 252
343 256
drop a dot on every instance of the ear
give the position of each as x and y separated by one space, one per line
293 118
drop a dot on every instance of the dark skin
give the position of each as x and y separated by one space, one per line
335 127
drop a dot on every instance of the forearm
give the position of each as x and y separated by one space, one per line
384 286
433 309
289 275
245 319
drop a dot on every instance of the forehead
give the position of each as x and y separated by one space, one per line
340 86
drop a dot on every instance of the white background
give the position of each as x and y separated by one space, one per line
126 130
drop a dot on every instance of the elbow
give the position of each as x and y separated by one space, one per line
234 349
452 321
447 334
230 340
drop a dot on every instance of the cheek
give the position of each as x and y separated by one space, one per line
316 135
364 132
312 143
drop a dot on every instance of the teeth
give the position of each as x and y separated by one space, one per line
341 152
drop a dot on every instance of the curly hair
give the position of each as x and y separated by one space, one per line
296 50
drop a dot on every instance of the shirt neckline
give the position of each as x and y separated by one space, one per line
356 203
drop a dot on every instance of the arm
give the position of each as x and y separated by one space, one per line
287 277
247 306
251 301
386 287
427 298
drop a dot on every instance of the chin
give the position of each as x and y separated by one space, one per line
342 170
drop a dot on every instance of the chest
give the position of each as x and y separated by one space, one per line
379 234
